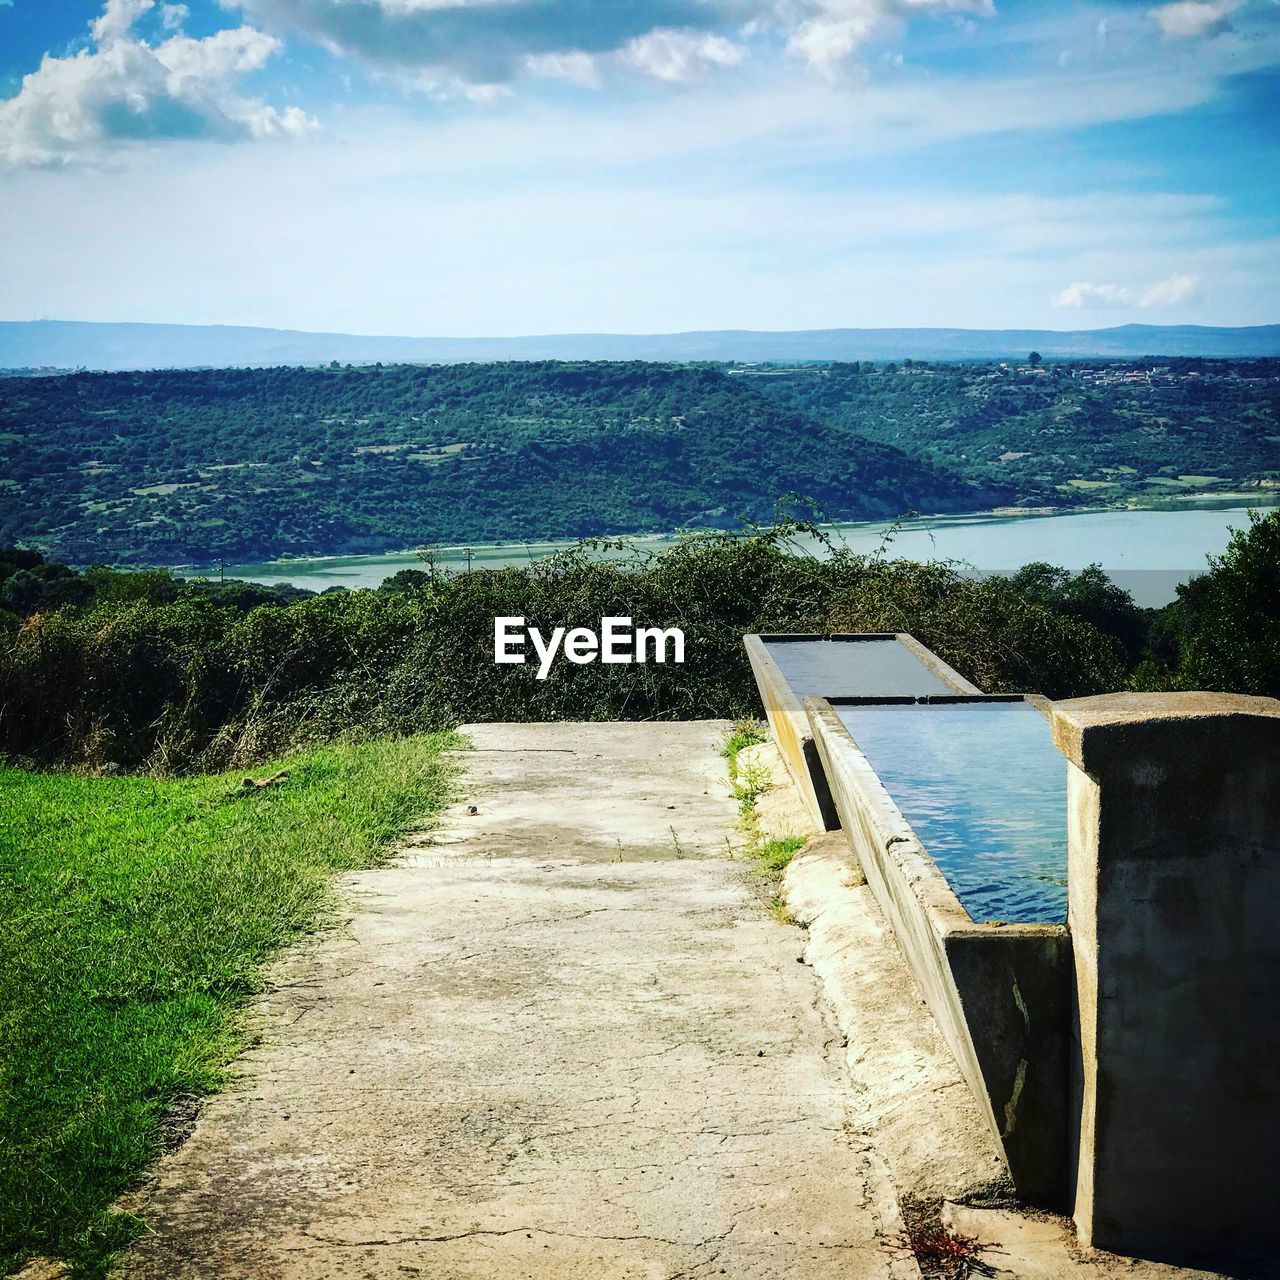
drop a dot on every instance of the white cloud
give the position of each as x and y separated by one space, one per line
116 18
572 65
1171 292
125 90
569 247
429 6
1094 297
447 88
827 42
498 41
681 55
173 16
835 30
1188 18
1101 297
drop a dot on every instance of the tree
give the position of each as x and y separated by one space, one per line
1228 621
22 592
406 581
1090 596
1034 359
45 586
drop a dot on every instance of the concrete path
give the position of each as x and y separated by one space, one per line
562 1041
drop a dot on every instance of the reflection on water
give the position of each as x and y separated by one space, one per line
870 668
985 789
1147 552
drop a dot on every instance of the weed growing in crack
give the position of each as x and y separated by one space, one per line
745 733
748 781
943 1254
779 910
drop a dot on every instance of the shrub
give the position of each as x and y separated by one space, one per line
1225 626
989 631
173 685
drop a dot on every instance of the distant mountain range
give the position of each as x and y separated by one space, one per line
71 344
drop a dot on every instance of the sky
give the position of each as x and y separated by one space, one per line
503 167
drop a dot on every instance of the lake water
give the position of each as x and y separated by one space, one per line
1148 552
857 668
985 789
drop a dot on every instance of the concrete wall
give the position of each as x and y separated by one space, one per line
1000 993
790 730
1174 874
790 726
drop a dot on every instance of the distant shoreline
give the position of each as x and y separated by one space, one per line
1173 502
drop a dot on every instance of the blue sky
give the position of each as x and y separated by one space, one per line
528 166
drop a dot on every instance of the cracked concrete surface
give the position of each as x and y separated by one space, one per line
560 1039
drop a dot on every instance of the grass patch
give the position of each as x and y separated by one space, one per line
778 909
748 782
745 733
771 857
135 918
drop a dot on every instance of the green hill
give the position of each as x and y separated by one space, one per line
184 467
1095 432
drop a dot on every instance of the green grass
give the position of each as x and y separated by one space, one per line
772 857
748 782
745 733
135 918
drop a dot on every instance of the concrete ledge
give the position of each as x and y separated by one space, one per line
1001 994
926 1123
1174 882
790 730
1042 1246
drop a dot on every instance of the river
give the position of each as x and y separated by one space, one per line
1148 552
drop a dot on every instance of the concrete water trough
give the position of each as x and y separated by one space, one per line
870 724
790 667
999 985
1085 893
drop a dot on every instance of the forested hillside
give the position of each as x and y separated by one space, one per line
1061 433
183 467
193 466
